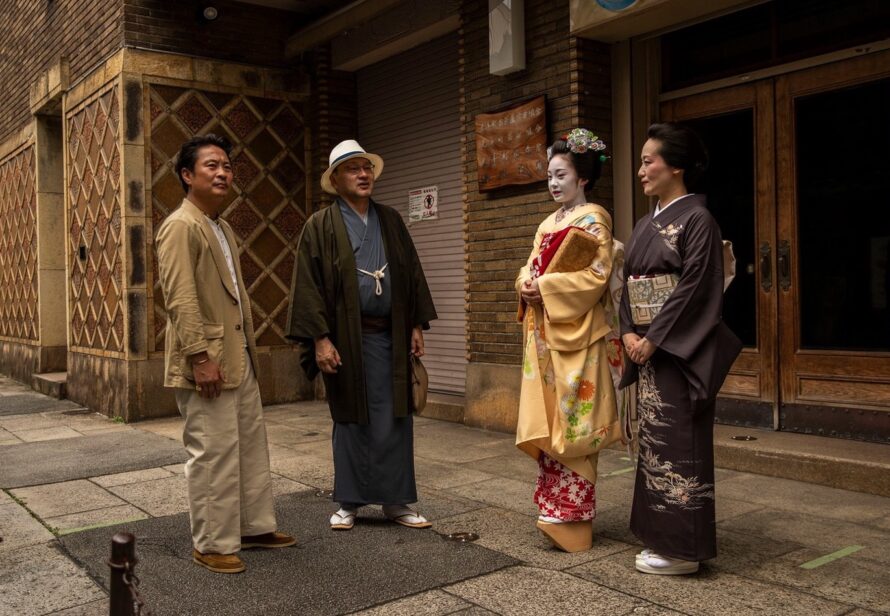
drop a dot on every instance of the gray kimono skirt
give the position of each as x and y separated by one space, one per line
373 462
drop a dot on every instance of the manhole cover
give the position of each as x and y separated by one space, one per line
744 437
324 493
462 537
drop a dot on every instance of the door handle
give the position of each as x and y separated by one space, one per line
784 265
766 267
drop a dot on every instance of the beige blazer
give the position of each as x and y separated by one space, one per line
201 303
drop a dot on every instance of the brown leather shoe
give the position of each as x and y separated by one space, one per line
268 540
219 563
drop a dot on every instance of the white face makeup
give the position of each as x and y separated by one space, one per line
563 181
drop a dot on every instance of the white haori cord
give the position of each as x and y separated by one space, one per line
377 276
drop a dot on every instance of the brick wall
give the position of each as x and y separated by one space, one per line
334 114
243 32
35 34
592 95
500 224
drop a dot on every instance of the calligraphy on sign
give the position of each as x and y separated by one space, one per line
511 145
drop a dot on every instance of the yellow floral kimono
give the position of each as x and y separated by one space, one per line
572 356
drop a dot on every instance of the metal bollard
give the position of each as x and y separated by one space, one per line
122 563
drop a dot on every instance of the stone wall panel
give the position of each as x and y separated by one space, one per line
95 232
19 317
268 204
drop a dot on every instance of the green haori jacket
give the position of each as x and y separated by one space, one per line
325 301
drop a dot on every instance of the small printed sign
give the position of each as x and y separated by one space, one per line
423 203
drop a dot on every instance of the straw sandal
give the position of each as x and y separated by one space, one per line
344 519
406 517
662 565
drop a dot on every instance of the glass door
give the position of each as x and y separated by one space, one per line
737 127
798 181
833 135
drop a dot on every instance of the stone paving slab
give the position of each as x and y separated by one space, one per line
18 527
804 498
94 608
859 581
520 591
40 579
95 518
377 560
709 593
516 535
24 404
823 534
429 603
501 492
47 434
30 464
159 497
56 499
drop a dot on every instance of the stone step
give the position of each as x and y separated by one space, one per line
447 407
50 384
840 463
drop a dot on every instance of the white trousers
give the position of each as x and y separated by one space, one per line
229 484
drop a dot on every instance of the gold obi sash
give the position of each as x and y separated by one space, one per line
647 295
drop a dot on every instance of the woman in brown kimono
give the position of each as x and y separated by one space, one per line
681 350
572 359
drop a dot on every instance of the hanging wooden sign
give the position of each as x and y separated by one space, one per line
511 145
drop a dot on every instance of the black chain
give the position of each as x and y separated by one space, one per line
131 581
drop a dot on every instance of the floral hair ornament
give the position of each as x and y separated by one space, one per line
581 140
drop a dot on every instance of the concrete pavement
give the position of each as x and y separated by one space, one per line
786 547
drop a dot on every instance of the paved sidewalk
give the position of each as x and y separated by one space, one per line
786 547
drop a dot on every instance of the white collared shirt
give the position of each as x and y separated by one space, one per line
227 251
659 209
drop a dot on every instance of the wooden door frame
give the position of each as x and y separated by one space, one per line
871 368
753 378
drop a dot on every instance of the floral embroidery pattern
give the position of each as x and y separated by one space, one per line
562 493
661 478
670 234
576 404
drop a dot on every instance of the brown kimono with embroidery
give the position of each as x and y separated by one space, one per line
673 505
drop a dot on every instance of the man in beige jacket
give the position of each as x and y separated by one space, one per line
211 361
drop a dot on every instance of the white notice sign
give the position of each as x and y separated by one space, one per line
423 204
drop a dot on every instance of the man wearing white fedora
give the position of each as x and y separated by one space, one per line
358 309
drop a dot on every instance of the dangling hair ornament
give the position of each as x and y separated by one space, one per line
581 140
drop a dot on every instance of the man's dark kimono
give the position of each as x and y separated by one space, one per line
673 507
370 403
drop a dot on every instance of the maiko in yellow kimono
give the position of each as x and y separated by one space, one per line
572 360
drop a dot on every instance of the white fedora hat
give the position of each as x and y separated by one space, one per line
342 152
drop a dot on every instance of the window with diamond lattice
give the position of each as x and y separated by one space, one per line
96 281
268 203
18 247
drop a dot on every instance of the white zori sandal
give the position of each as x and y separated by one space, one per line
344 519
400 514
648 561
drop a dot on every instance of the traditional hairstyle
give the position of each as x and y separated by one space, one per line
584 150
681 148
188 153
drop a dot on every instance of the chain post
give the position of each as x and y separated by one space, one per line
123 559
